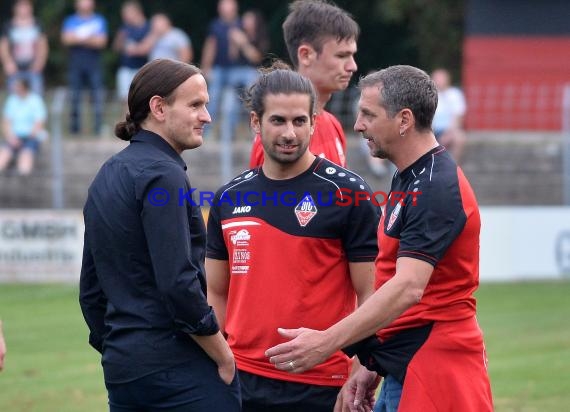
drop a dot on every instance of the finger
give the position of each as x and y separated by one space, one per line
289 333
343 401
338 403
291 366
286 366
278 351
352 408
366 405
359 395
279 359
348 406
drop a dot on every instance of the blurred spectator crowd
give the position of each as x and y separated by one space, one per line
235 45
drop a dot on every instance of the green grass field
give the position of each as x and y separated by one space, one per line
50 367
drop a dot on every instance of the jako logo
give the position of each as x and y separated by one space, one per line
241 209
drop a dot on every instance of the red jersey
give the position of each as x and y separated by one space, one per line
441 228
328 141
435 348
288 244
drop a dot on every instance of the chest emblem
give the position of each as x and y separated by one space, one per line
393 216
305 210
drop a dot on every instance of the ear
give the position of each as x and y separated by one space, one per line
313 120
305 54
255 122
157 105
407 121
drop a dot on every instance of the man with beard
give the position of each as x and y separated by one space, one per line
289 243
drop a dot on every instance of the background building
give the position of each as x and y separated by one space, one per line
516 61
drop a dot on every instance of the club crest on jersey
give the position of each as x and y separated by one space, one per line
393 216
305 210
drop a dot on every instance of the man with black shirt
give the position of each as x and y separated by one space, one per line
142 286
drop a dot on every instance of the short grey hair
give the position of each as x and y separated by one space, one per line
405 87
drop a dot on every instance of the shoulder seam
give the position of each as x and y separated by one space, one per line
255 174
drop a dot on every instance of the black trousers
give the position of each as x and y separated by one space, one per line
193 386
262 394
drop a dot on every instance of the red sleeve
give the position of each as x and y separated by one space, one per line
340 131
342 138
256 158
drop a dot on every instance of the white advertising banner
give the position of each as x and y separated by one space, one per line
517 243
40 245
525 243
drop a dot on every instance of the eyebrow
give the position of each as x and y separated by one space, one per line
366 111
281 117
197 100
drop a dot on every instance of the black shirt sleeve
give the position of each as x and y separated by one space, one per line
434 222
178 277
359 237
92 300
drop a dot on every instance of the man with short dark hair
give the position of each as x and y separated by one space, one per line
285 246
321 41
84 33
226 66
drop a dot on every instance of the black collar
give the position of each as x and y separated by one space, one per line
419 162
157 141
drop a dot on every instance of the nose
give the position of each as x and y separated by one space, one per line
289 130
351 65
205 116
358 126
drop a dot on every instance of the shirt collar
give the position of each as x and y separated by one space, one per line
412 169
154 139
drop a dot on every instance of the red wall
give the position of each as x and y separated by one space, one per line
515 83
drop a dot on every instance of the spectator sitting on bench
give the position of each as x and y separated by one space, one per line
23 127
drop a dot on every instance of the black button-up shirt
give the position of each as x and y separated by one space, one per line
142 286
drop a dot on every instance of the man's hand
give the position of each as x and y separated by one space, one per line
357 394
218 349
307 349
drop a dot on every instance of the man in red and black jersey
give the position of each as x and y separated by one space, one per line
425 341
289 243
321 41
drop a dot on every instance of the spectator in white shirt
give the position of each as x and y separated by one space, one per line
448 120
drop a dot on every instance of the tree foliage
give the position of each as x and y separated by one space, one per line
435 28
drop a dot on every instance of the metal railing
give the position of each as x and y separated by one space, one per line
57 108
